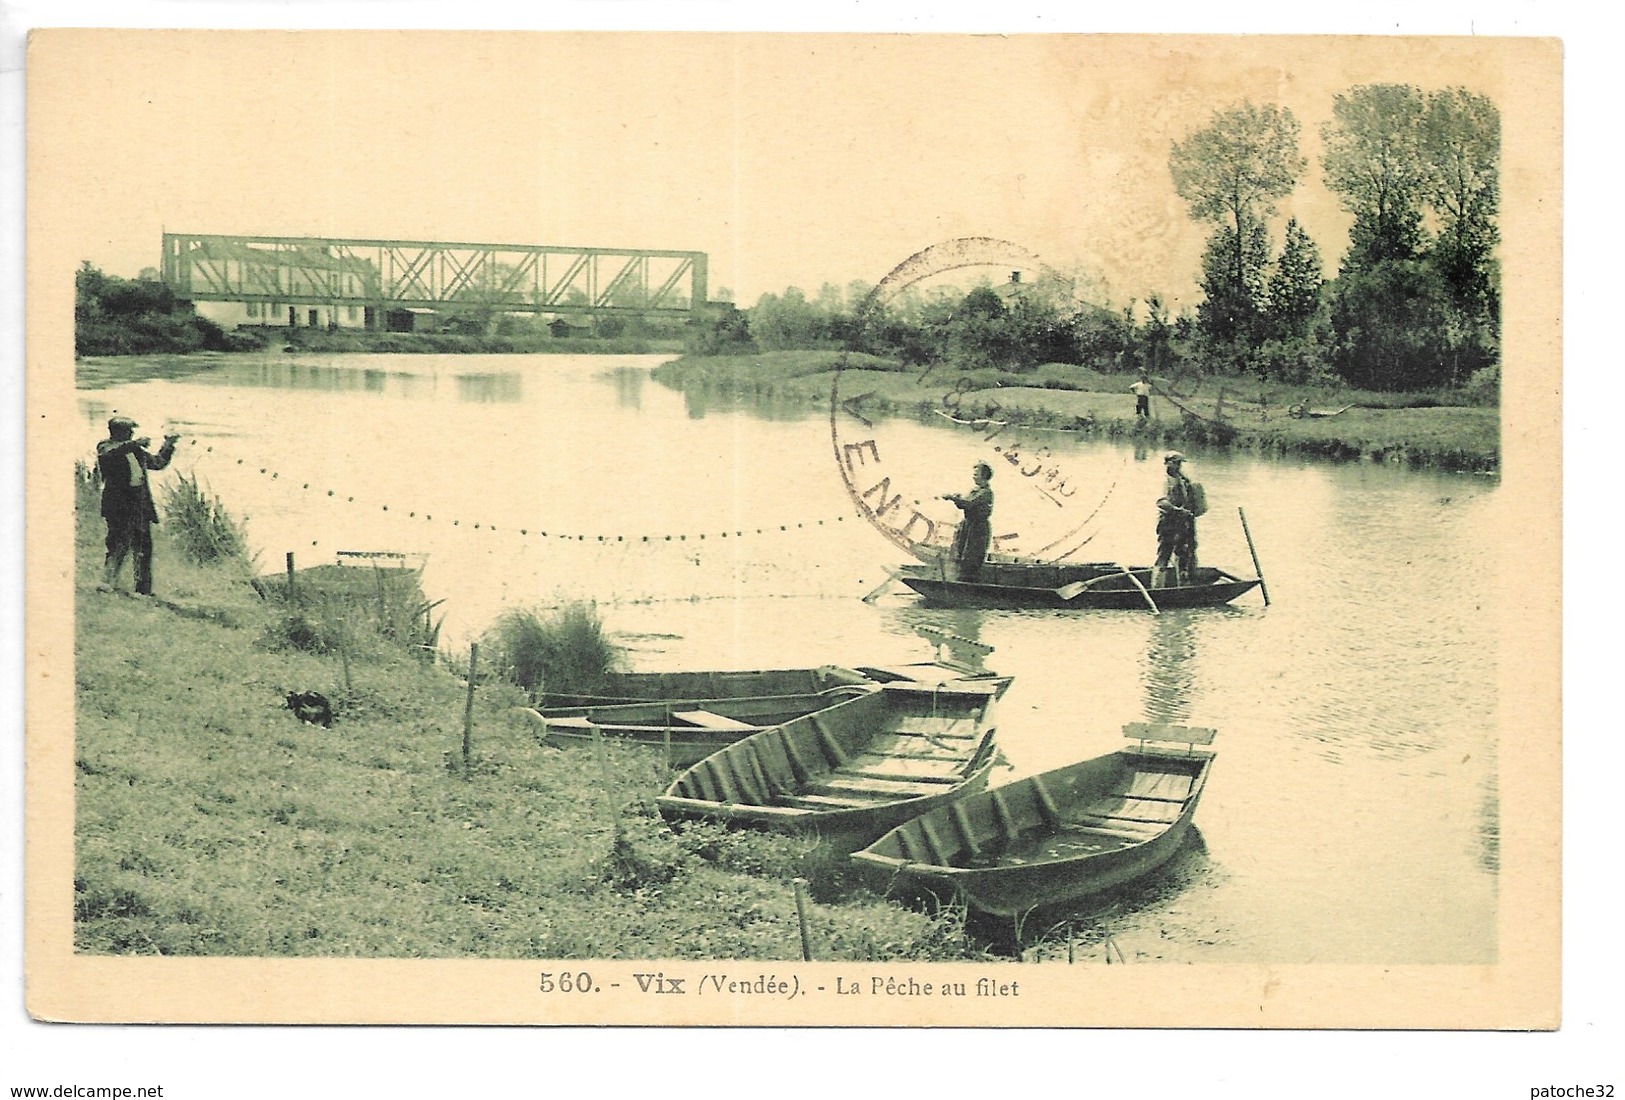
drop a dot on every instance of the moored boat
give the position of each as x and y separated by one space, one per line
1056 837
1086 586
853 771
632 687
686 730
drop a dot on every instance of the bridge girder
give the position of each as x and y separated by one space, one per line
437 275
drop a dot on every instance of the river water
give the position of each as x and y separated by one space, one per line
1352 815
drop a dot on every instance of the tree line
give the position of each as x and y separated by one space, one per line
1414 304
116 316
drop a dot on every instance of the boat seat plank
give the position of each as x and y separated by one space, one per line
1119 826
1135 809
1156 731
909 766
844 784
916 747
710 720
1162 786
936 726
808 801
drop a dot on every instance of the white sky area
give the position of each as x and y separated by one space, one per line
792 160
795 162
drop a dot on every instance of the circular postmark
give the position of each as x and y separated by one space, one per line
1040 515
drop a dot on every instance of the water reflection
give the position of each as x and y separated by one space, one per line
629 386
505 387
1168 674
293 375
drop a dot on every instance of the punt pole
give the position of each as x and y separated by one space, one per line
1259 569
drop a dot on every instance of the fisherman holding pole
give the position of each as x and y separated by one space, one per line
1177 510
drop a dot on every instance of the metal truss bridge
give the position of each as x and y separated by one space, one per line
435 275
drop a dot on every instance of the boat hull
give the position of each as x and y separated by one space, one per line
1010 587
1056 838
850 773
645 687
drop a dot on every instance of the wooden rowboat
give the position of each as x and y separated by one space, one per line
655 687
1095 585
1055 837
687 730
853 771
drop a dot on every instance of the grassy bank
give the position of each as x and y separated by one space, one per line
212 821
1421 429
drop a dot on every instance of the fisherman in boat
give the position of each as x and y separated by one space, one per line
975 531
1176 525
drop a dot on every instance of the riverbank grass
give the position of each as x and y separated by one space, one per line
1425 429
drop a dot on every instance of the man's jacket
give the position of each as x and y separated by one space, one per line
123 464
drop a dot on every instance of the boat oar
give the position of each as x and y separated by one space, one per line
1076 588
890 577
1259 569
1152 604
1073 590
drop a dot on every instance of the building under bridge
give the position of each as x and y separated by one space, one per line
323 282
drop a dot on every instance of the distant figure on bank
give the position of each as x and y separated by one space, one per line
975 531
1177 510
127 505
1142 397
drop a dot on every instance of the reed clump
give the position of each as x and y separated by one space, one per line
565 649
203 530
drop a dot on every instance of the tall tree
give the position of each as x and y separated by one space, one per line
1231 172
1461 144
1295 288
1233 286
1373 162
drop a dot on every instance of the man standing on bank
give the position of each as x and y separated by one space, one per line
975 531
1142 397
123 462
1176 524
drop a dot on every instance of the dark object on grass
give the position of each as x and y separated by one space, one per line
311 706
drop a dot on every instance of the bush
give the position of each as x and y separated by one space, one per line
1484 387
565 650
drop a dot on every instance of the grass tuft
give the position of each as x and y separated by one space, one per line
564 650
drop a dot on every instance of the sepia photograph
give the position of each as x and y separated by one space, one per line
678 529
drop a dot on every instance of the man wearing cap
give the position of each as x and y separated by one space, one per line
1176 523
123 462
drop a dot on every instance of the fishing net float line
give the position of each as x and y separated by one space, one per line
700 536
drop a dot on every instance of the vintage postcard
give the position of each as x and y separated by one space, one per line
793 529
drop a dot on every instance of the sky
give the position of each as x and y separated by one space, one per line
792 160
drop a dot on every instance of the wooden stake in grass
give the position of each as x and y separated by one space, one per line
344 659
801 918
468 710
290 578
603 776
